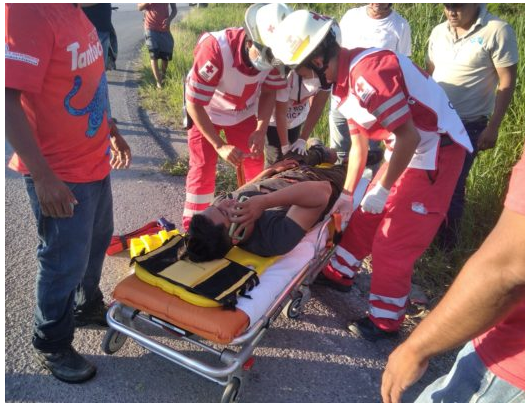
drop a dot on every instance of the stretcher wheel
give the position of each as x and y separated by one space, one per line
293 309
113 341
232 392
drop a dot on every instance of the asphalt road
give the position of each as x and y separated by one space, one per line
311 359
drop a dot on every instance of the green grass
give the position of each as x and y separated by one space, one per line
488 179
225 176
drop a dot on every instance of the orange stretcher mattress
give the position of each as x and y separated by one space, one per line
216 324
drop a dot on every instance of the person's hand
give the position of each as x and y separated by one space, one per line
284 165
375 199
345 206
230 154
285 149
487 139
299 146
120 151
55 198
256 142
404 368
247 212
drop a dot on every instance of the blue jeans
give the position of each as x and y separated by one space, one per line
469 381
340 138
103 37
70 254
450 229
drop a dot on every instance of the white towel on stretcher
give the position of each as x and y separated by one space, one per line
278 275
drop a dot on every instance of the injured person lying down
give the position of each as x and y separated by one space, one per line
272 213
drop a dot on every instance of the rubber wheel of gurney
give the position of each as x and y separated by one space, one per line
113 341
293 309
231 393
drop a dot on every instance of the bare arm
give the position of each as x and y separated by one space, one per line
173 13
356 163
507 83
407 139
490 284
281 109
316 110
265 109
305 207
143 6
55 198
201 119
120 151
429 67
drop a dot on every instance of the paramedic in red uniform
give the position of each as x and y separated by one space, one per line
384 96
230 87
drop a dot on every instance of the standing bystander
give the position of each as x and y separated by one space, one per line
473 56
100 16
157 20
373 25
57 123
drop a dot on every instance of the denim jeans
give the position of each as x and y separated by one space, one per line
469 381
103 37
450 228
70 254
340 138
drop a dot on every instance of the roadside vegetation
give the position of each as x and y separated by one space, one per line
488 180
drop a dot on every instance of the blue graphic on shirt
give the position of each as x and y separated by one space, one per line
479 40
96 108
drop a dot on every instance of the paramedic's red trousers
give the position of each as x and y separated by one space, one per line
396 238
200 182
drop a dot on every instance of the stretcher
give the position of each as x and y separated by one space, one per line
226 338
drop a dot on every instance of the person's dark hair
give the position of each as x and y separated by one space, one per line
206 241
328 48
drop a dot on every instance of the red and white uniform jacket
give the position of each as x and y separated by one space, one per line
378 90
222 82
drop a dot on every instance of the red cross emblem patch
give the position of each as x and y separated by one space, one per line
363 89
208 71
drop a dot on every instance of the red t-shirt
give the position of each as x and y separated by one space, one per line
156 17
502 348
53 56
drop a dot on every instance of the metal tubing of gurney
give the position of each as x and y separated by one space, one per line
171 354
319 243
158 321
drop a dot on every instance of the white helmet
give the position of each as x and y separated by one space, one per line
299 34
261 20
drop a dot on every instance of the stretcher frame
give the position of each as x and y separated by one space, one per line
231 365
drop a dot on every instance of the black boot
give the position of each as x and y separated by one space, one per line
92 315
66 365
366 329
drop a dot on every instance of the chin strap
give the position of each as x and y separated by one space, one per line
329 41
320 72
